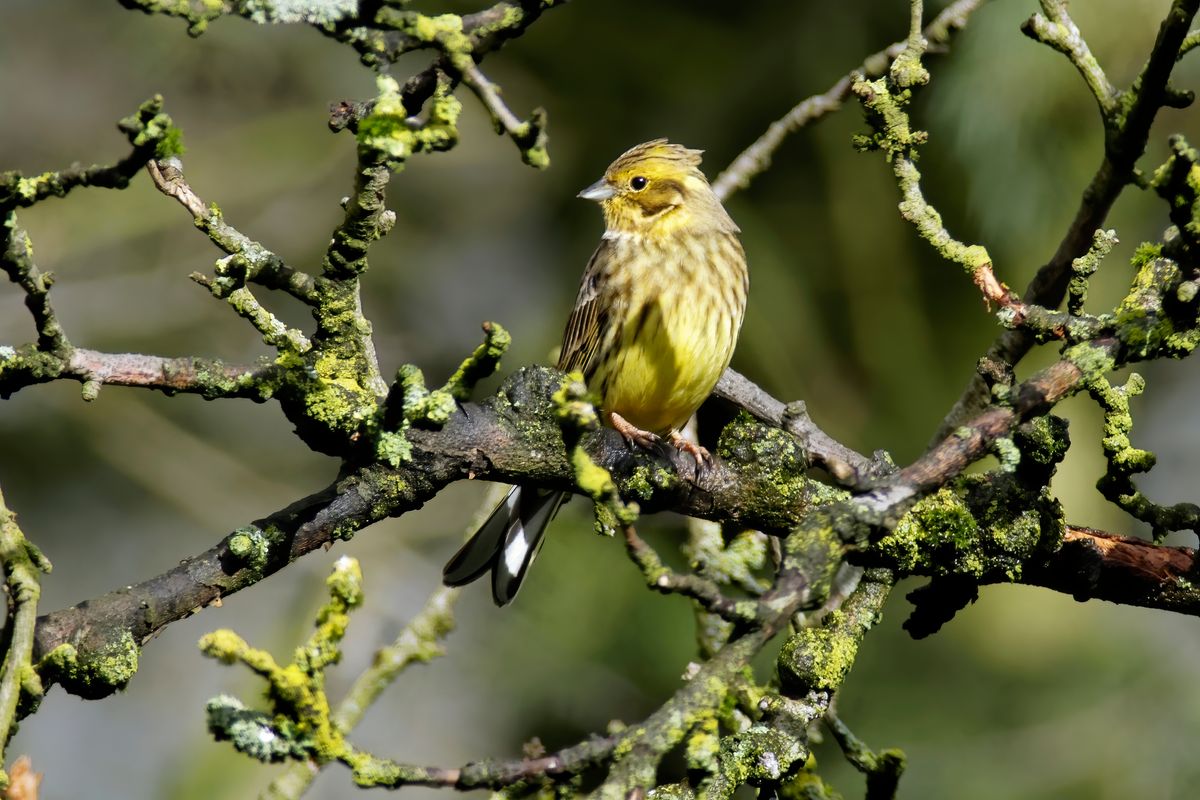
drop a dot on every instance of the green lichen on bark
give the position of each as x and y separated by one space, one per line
736 561
884 102
762 754
774 456
480 364
1084 267
250 546
818 659
1178 182
255 733
410 403
151 129
981 526
298 724
21 688
1124 461
389 135
199 13
577 416
1043 443
92 673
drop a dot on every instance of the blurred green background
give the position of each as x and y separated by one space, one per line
1026 694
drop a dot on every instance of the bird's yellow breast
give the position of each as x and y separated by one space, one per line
675 344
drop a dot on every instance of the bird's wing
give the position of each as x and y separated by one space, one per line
581 339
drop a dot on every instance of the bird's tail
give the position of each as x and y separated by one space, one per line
507 543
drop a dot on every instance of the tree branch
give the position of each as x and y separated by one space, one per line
261 266
706 593
756 158
23 566
1094 565
1125 140
848 466
208 377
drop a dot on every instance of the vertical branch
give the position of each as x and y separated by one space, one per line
16 259
23 563
1127 121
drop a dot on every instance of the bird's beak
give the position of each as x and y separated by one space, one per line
600 190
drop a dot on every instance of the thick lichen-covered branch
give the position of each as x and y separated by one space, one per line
513 437
759 481
1094 564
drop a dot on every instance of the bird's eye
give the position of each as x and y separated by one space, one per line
638 183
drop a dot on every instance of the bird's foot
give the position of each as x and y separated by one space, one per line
701 454
632 433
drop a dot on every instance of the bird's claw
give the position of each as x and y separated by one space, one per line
633 435
636 437
701 454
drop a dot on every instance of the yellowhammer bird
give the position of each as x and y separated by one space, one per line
654 326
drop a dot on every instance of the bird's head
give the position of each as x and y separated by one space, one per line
657 188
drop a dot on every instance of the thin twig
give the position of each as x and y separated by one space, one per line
883 769
1059 31
417 642
16 259
756 158
529 135
705 592
209 377
1124 143
262 266
848 466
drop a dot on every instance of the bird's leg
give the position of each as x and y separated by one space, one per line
702 456
632 433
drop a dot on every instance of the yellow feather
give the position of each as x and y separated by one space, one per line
654 326
662 301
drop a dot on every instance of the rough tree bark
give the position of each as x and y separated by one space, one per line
812 554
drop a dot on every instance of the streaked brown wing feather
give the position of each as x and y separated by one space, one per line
581 339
